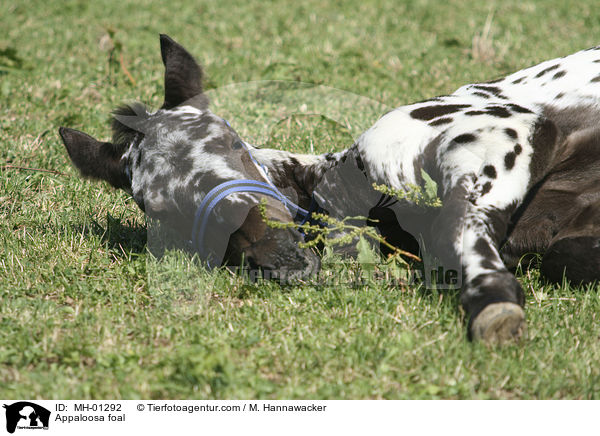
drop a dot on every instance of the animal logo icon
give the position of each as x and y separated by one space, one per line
25 414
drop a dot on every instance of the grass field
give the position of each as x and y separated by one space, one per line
86 311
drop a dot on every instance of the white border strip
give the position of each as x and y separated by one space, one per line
266 417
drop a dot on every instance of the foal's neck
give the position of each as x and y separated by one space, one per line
300 172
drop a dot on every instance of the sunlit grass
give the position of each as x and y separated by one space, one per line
86 311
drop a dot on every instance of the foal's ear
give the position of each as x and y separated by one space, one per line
95 159
183 76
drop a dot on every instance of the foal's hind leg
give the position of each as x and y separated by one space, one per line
561 217
575 250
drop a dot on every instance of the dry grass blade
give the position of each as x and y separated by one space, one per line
125 70
482 48
16 167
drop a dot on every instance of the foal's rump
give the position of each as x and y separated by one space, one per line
575 250
560 218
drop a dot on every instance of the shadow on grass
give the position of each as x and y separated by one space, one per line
124 237
132 237
119 236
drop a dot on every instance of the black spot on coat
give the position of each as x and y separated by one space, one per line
498 111
494 90
490 171
512 133
484 249
509 160
520 109
360 164
464 138
430 112
441 121
547 70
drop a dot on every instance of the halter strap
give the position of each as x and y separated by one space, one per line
221 191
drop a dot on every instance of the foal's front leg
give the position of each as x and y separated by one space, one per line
491 294
495 179
467 232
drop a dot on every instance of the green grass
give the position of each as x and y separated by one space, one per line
85 310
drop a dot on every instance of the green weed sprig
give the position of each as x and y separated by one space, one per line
421 196
336 232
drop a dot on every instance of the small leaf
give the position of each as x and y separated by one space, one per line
431 187
366 256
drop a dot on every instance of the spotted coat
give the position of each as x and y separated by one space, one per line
487 144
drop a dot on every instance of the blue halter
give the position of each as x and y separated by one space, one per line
221 191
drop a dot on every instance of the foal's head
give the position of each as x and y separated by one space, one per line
183 165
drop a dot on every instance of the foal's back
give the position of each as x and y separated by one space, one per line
561 214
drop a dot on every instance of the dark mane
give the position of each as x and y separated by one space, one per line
136 112
122 134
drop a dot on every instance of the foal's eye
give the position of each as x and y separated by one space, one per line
237 145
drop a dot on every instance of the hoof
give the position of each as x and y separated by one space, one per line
499 323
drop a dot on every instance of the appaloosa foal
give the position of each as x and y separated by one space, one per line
517 162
